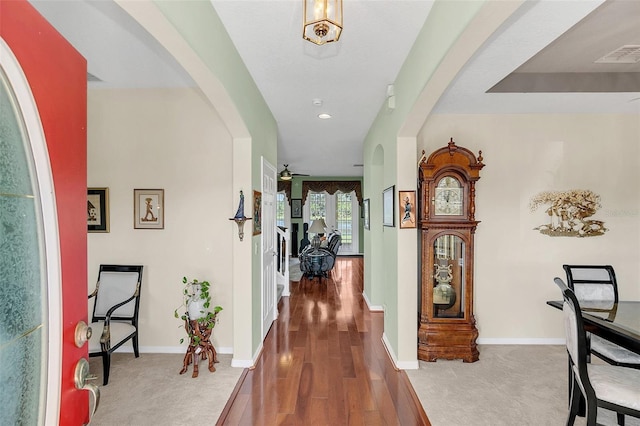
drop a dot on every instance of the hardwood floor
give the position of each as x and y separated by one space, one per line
324 363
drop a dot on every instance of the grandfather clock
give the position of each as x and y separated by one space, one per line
447 221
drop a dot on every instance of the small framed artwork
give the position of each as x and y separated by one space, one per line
407 209
365 213
98 209
257 212
296 208
148 208
387 207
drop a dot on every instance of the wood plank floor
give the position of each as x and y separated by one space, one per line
324 363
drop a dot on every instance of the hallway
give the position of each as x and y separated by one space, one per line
324 363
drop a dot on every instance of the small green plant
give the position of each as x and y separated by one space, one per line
196 303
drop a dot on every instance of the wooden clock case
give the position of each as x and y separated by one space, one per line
447 327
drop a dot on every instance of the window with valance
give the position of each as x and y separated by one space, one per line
332 186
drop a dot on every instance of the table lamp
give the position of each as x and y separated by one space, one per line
317 227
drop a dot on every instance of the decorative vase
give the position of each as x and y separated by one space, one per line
195 304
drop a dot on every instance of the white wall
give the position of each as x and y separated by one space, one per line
174 140
525 155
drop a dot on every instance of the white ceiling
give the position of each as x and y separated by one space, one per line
351 76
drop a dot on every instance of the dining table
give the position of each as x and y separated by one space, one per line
619 322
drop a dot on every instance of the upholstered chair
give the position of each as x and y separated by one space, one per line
596 288
601 385
115 312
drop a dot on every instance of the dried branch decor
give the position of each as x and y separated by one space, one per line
568 213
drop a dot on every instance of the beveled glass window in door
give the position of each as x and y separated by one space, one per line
317 205
23 324
344 217
448 277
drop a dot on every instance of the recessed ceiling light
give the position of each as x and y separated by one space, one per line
317 102
324 116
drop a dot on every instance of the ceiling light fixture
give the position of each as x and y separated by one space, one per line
322 21
285 174
324 116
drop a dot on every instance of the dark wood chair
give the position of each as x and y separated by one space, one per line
115 312
596 287
602 386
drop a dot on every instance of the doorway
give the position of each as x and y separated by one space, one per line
340 212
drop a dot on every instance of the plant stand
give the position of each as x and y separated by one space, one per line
199 346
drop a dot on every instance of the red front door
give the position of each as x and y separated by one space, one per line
56 75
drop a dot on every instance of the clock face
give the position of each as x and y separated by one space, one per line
448 197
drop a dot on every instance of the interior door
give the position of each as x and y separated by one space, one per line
45 82
269 293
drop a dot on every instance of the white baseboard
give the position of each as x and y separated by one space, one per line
402 365
241 363
247 363
167 349
372 308
520 341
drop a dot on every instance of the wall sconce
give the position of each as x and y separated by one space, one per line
240 218
322 21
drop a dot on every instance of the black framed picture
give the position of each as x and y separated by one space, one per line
98 209
296 208
387 207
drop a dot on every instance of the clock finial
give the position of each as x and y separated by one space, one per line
452 147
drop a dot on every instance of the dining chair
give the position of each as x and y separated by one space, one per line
595 286
602 385
115 312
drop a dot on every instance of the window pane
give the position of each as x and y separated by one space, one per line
280 207
317 205
344 216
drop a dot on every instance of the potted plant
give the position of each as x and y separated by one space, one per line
196 304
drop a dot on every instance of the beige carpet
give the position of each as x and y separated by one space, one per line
509 385
295 274
149 391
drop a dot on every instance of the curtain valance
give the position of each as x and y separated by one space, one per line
332 186
285 185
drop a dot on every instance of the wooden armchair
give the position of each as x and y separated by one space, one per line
115 312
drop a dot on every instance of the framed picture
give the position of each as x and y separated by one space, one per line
257 212
98 209
407 209
296 208
148 208
365 213
387 207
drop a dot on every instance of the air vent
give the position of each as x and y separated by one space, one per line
91 77
627 54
